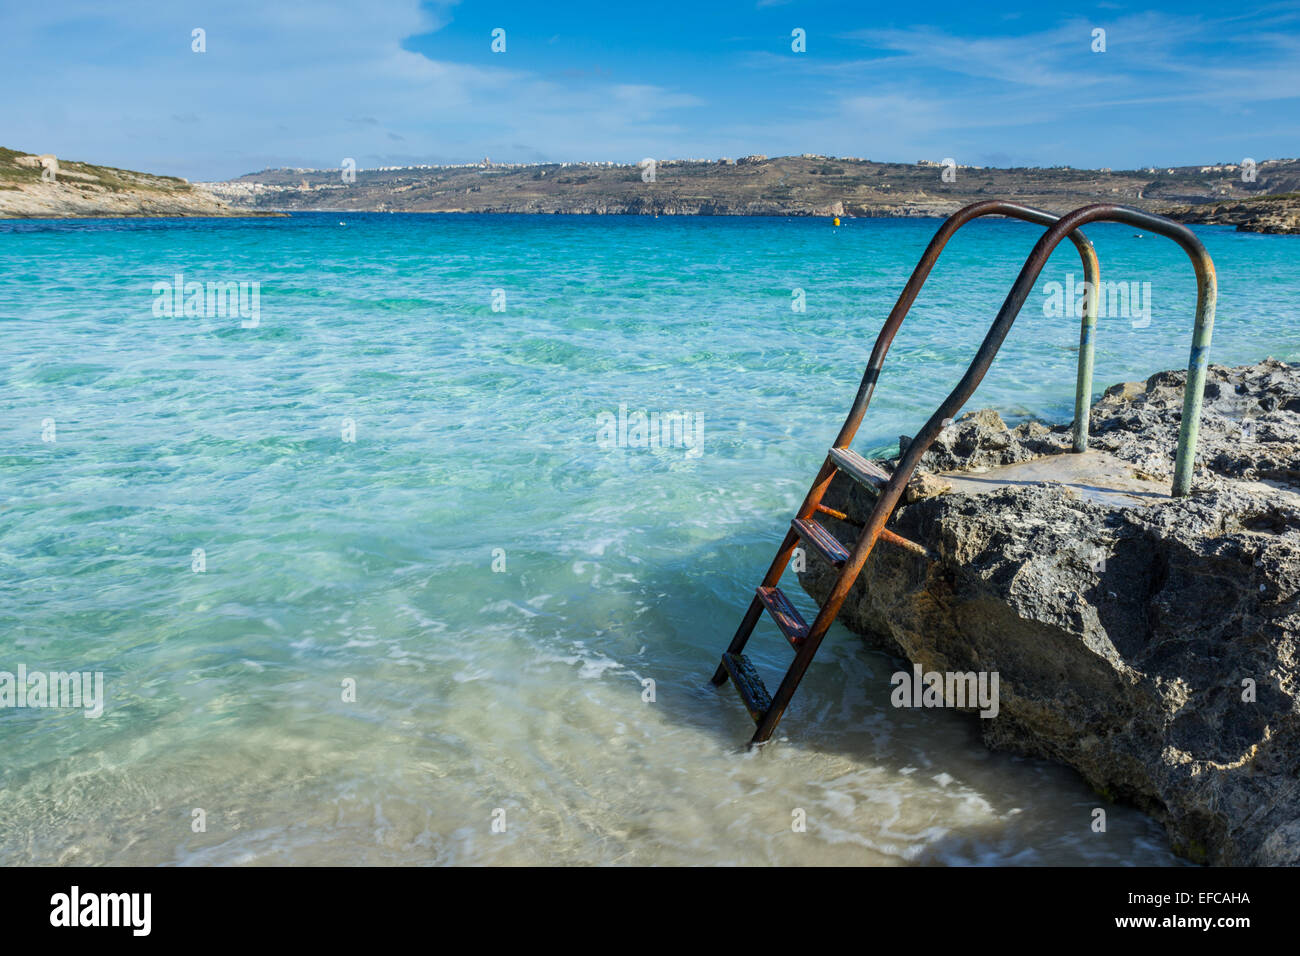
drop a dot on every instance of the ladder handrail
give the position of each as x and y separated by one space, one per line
988 207
888 497
806 638
1193 392
991 207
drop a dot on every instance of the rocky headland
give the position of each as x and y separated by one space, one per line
1151 643
45 187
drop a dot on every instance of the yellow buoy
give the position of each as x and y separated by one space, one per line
835 221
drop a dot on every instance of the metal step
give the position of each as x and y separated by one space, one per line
866 473
821 540
789 620
748 684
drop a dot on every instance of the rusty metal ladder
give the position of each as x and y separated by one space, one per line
805 638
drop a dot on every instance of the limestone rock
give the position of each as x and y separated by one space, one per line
1151 643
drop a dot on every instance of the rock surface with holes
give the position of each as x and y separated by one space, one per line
1149 642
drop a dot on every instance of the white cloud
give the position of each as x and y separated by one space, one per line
311 84
283 85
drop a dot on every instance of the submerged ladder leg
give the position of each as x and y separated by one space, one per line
765 709
774 572
790 683
747 625
755 611
848 576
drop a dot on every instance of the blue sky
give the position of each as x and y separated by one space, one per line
391 82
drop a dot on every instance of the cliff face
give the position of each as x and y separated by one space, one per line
46 187
1151 643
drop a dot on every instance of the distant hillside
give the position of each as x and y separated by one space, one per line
805 185
74 189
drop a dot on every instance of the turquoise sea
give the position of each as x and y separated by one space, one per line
386 483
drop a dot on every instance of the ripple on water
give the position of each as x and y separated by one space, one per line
498 586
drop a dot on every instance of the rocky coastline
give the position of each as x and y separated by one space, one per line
810 185
793 186
1151 643
1277 215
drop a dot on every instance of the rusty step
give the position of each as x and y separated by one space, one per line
787 618
866 473
748 684
821 540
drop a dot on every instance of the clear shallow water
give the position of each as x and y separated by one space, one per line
477 430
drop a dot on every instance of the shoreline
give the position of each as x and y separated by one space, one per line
1193 218
1263 198
1255 219
788 186
93 217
